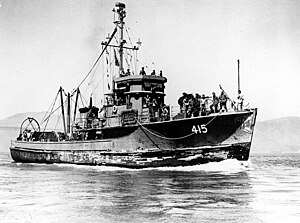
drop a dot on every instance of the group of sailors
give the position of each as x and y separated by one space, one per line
142 72
158 110
201 105
26 135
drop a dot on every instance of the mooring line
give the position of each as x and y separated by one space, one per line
176 138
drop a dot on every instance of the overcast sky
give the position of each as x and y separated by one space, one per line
45 44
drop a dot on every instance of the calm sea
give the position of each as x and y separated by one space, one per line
265 189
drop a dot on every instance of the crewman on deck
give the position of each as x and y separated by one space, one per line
215 103
155 108
119 101
122 73
196 110
203 105
143 72
240 100
185 106
190 106
127 72
165 113
154 103
28 134
223 101
147 101
180 100
153 73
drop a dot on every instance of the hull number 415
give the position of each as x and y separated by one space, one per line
199 129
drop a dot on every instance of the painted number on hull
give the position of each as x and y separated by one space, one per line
199 129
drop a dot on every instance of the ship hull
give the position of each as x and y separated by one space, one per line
138 159
181 142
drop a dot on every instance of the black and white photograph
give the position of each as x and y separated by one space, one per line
149 111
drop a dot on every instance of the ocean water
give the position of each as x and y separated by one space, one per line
264 189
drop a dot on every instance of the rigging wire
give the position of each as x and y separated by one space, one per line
96 62
89 84
94 68
116 39
134 58
175 138
104 49
163 137
50 113
97 84
91 78
81 97
57 121
53 102
151 61
128 36
126 58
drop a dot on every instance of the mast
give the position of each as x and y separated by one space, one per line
120 24
76 101
62 109
68 112
239 87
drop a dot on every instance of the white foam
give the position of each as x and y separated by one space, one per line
230 165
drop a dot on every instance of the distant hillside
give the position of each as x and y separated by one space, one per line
277 135
16 120
273 136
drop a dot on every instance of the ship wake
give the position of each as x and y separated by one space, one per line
225 166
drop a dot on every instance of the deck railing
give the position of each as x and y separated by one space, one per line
147 115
